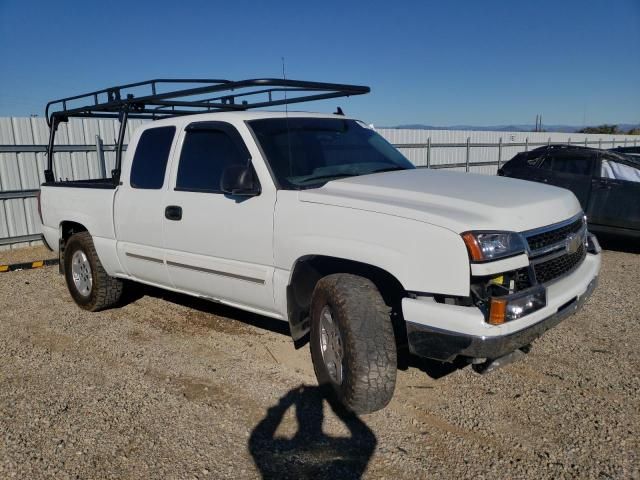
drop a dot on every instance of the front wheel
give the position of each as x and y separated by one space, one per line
352 342
87 281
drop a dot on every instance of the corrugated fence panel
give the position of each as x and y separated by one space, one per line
14 211
62 167
25 170
29 179
79 164
91 131
108 134
40 137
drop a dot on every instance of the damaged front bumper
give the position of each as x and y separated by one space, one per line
469 336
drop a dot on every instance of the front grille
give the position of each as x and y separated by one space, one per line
551 237
559 266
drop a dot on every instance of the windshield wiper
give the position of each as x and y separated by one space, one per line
386 169
332 176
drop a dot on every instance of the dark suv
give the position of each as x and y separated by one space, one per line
606 183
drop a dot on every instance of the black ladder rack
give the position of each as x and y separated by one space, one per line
159 98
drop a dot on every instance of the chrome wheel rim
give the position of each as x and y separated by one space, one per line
331 345
81 273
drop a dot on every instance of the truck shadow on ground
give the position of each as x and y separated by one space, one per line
311 453
135 291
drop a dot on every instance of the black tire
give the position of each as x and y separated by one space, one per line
369 357
105 291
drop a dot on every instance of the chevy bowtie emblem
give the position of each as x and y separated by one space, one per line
573 243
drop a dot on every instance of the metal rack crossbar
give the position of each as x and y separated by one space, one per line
159 98
152 104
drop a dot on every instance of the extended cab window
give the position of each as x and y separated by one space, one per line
150 159
205 155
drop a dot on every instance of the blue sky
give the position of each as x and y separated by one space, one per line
439 63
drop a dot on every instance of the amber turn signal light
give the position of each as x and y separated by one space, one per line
497 311
472 245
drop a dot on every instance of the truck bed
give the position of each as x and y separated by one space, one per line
86 202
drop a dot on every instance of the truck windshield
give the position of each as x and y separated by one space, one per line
309 152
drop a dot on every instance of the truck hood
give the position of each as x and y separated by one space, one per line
453 200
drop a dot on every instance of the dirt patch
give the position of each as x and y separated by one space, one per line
24 255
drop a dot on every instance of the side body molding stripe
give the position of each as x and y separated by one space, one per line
142 257
217 272
197 269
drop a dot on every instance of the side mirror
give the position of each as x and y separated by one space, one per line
239 180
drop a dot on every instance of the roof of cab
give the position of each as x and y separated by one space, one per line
239 116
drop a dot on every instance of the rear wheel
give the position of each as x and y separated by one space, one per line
87 281
352 342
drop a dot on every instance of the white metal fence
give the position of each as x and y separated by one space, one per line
482 152
86 149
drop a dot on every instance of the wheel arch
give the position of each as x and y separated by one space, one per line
309 269
67 228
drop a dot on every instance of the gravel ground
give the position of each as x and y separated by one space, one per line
172 387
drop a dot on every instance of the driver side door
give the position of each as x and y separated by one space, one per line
218 246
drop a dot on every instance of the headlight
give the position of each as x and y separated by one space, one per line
485 246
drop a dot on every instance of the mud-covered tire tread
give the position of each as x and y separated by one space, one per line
106 291
370 357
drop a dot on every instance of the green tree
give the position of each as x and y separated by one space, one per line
608 129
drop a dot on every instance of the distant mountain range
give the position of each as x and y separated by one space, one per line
625 127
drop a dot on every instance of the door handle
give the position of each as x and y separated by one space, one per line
173 212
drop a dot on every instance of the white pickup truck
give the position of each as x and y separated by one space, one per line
316 220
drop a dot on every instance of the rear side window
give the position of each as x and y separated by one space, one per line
150 160
525 159
571 163
206 153
534 161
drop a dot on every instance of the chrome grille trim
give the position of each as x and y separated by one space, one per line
556 254
550 228
558 249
